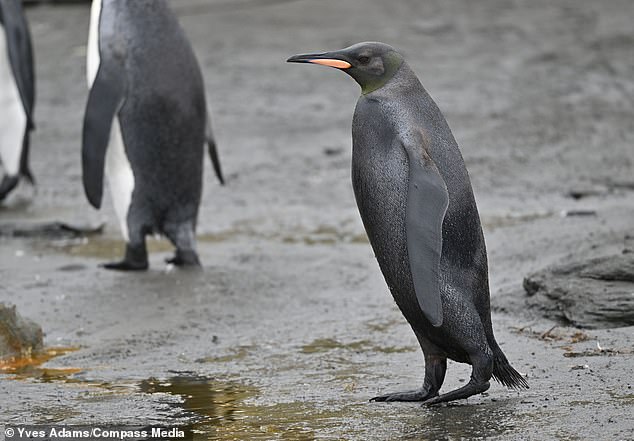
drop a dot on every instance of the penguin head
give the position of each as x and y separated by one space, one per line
371 64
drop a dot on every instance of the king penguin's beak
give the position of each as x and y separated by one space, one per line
325 58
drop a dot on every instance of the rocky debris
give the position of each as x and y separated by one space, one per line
578 212
586 192
19 337
600 188
49 229
596 293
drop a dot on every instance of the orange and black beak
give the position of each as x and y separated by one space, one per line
331 59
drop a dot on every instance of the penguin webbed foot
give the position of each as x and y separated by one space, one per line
7 185
469 389
125 265
421 394
135 260
184 258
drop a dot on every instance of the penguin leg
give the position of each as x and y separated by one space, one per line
135 256
480 375
183 237
435 368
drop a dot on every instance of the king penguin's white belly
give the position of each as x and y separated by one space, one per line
119 175
92 53
118 170
12 114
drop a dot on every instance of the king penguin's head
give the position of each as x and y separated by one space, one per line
371 64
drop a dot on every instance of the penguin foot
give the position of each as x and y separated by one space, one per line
471 388
421 394
184 258
135 259
125 265
7 184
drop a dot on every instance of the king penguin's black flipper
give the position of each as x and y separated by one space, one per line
20 54
427 202
213 152
104 101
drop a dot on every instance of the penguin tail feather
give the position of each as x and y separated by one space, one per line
504 373
213 151
215 160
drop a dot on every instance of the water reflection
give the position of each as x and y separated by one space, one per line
463 421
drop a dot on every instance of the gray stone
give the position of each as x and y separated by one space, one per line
596 293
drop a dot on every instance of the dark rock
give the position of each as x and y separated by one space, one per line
19 337
72 267
586 192
597 293
618 269
49 230
580 212
333 151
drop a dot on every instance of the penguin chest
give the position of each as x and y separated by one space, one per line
380 183
13 121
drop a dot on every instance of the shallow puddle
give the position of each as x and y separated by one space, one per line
211 401
229 411
111 248
31 367
222 411
103 248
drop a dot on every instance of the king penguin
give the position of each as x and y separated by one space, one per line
417 205
146 125
17 92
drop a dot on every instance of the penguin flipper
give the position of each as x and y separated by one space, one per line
213 153
427 201
20 54
104 102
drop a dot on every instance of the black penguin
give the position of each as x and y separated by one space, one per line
417 206
146 123
17 94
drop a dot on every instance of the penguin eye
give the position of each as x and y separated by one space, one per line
364 60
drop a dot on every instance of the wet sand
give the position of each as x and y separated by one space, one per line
290 329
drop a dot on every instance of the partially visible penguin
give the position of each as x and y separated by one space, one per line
146 125
17 92
417 206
